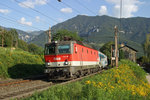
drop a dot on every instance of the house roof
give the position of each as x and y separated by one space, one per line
129 47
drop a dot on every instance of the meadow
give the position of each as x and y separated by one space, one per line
128 82
19 64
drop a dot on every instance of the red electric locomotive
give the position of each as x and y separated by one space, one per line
68 59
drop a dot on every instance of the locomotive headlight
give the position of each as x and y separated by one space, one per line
48 63
66 62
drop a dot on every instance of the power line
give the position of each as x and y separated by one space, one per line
85 7
14 21
70 7
120 19
55 8
19 11
37 11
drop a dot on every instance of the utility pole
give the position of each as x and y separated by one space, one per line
116 46
49 35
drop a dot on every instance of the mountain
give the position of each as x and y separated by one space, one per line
35 32
22 34
40 40
100 29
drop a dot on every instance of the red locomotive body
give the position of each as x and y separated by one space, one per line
69 59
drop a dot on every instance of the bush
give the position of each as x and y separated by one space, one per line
35 49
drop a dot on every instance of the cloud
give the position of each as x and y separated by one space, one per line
23 21
66 10
128 7
4 11
32 3
103 10
37 19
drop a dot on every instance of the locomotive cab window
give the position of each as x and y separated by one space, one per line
50 49
64 48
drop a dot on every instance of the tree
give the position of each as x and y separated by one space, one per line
2 36
35 49
106 48
7 39
147 46
14 34
22 45
61 34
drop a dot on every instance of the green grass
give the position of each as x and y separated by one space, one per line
127 82
19 64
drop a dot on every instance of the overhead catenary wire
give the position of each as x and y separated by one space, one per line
19 11
70 7
37 11
120 21
14 21
85 7
55 8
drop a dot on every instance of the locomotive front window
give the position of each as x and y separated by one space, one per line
50 49
64 48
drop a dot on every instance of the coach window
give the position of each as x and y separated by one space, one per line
82 49
91 52
87 51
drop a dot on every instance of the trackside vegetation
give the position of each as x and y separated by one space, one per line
127 82
19 64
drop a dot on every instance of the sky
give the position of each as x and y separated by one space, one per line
31 15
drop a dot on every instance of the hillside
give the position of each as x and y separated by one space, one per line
128 82
22 34
99 30
18 63
101 27
35 32
26 36
40 40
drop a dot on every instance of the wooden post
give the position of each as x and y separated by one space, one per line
116 47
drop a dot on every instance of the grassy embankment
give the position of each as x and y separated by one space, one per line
19 64
128 82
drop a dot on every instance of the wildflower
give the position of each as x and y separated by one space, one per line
88 82
112 87
142 93
100 84
133 93
94 84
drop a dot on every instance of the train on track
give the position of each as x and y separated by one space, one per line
70 59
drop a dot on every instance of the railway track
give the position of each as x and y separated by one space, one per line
24 88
